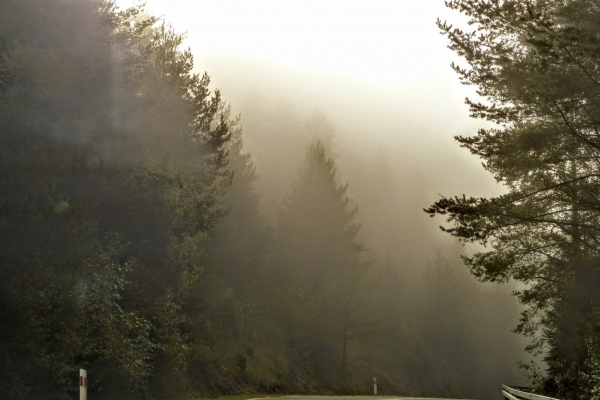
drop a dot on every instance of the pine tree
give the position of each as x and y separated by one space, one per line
536 65
246 233
319 260
279 128
111 172
236 256
319 128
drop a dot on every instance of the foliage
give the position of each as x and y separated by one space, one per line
535 66
321 262
132 243
110 177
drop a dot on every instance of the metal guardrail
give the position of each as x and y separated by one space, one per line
516 394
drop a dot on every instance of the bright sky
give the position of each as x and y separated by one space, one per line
378 68
379 40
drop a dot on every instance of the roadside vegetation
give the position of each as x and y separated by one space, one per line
139 238
535 65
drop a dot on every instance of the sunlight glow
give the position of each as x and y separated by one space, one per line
384 40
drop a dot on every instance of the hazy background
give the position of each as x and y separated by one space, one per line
380 73
117 202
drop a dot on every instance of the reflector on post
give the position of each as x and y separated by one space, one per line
375 386
82 384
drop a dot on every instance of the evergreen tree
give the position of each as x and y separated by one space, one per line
247 235
111 172
320 260
466 329
236 257
536 65
319 128
276 141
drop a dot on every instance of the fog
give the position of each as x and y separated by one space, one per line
304 265
381 76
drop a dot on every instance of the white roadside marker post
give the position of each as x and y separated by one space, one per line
375 386
82 384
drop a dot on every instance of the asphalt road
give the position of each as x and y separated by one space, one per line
353 398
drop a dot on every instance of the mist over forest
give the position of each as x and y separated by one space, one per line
191 226
393 163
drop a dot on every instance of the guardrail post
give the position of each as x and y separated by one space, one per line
375 386
82 384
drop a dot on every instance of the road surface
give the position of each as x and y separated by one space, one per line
352 398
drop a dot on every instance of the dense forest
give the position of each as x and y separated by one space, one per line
177 248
